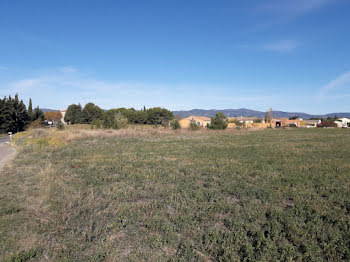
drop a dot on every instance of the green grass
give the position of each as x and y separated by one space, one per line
273 195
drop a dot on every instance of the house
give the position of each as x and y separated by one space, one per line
343 122
310 123
63 112
202 121
285 122
246 120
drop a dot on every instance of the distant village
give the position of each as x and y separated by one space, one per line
260 123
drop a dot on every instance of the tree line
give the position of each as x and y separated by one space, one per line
14 116
115 118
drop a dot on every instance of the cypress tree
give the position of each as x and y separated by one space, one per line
38 114
30 110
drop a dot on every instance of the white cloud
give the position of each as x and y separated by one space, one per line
281 46
58 89
68 69
3 68
340 84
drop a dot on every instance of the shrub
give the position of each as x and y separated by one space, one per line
175 124
60 125
36 124
292 125
327 123
97 123
120 121
257 121
218 122
23 256
194 126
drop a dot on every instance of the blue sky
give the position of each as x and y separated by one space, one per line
178 54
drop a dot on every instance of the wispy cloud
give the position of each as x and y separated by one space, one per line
281 46
3 68
57 88
292 8
68 69
340 84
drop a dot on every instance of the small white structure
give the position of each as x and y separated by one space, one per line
11 136
343 122
63 112
311 123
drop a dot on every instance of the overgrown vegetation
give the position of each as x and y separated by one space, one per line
194 126
175 124
126 195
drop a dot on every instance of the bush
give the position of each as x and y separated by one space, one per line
218 122
292 125
327 123
120 121
97 123
194 126
60 125
36 124
175 124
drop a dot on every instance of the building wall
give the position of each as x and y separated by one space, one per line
185 122
63 112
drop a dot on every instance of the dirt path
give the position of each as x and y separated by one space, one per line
6 153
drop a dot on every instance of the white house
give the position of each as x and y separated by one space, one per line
343 122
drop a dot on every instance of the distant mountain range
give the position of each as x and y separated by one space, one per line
48 110
249 112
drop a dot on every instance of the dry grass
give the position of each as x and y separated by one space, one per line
154 194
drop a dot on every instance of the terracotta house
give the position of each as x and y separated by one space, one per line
202 121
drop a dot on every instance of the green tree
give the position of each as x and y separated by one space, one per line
13 115
120 121
115 119
21 114
92 112
138 117
218 122
159 116
74 114
7 121
30 110
38 114
108 118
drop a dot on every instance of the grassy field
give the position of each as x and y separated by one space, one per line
272 195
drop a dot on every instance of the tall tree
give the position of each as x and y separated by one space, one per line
13 115
74 114
30 110
159 116
218 122
38 114
92 112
